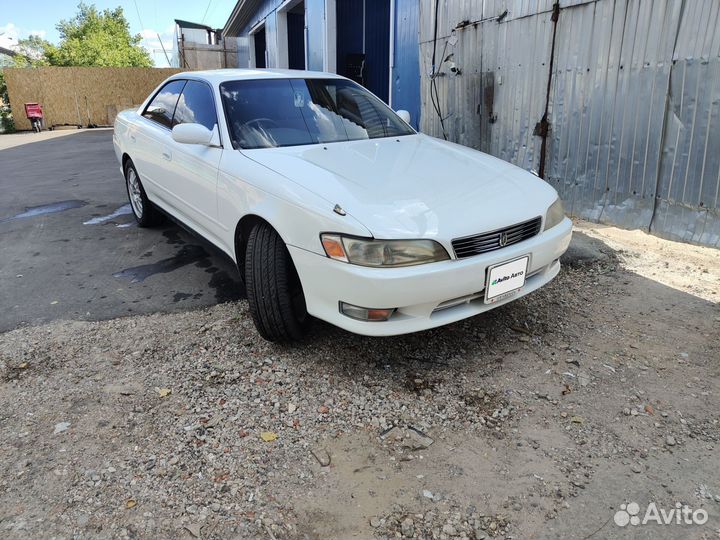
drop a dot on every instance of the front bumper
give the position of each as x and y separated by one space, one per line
426 296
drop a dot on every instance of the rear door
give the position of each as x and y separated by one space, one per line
149 146
194 167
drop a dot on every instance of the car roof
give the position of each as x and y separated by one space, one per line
217 76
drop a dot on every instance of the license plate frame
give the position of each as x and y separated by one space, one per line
494 291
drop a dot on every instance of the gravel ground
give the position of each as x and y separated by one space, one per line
536 420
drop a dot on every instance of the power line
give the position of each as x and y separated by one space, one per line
435 73
142 26
206 12
163 50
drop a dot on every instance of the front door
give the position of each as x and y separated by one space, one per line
194 167
149 146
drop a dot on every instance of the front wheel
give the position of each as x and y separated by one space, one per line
274 291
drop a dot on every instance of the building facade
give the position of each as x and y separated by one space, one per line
374 42
197 46
616 103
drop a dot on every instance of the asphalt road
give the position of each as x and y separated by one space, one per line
70 249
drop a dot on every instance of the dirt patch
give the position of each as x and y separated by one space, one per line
693 269
535 420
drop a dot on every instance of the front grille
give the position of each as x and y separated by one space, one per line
490 241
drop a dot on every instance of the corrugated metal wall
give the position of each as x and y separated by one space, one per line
315 33
633 136
243 49
688 206
495 102
405 70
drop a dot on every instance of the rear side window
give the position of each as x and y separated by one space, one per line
196 106
162 106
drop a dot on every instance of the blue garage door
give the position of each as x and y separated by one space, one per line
296 37
363 43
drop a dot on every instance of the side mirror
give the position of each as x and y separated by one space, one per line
192 134
402 113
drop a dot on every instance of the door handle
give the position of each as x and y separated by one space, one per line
132 138
166 156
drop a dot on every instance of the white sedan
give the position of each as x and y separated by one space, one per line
332 206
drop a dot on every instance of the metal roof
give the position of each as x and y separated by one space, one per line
240 17
188 24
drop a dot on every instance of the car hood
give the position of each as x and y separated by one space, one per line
414 186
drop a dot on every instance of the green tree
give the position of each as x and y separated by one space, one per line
6 120
3 89
97 38
32 52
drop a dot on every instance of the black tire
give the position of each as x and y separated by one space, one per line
144 211
274 291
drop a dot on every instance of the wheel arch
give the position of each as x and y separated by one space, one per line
124 160
242 231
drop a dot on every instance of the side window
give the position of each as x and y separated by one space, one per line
196 106
162 106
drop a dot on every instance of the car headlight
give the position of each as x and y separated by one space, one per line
382 253
555 214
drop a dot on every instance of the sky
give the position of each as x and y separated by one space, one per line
19 19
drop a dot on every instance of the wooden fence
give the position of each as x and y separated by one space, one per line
80 95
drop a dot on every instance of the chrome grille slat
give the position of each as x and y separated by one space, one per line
494 234
477 243
490 241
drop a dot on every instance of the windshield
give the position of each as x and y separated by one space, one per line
269 113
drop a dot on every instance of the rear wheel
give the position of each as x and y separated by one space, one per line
274 291
145 213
